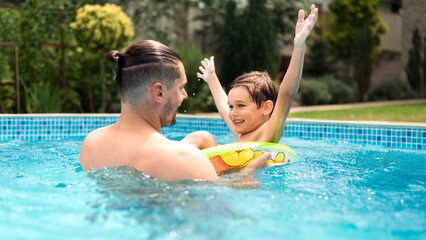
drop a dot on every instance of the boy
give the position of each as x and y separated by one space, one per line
250 109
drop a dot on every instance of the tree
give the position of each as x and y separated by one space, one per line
423 93
259 47
150 15
317 61
356 24
231 52
415 64
362 59
37 30
284 18
8 33
248 40
99 29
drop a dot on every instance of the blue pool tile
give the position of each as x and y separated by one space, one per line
45 128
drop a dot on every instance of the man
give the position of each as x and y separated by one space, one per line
151 80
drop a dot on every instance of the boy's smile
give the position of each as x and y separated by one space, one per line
243 112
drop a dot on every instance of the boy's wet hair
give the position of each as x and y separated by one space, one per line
140 65
259 85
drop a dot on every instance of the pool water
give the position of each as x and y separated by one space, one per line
338 190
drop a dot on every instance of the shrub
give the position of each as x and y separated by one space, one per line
414 66
390 90
313 92
7 89
340 92
202 101
102 28
99 29
199 96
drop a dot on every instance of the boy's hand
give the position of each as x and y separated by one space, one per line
261 162
304 26
207 69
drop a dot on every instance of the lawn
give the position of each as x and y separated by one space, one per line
396 113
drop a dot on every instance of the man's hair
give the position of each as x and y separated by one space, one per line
259 85
142 64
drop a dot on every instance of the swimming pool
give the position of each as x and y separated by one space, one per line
353 182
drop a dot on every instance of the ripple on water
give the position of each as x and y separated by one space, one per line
337 189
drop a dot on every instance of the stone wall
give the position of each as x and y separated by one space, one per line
413 15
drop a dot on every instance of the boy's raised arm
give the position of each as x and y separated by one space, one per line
275 126
208 74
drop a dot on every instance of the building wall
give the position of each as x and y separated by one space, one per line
391 40
389 65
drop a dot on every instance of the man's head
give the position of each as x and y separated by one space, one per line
149 68
259 85
143 64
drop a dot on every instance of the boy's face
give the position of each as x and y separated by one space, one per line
243 111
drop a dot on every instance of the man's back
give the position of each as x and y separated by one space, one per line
146 150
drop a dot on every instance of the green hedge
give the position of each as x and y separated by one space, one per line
390 90
313 92
325 90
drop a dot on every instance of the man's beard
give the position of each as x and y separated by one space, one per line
167 113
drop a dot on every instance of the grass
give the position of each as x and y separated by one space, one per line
396 113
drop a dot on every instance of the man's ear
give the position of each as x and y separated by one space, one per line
157 92
268 106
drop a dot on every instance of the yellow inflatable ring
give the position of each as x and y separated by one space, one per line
240 154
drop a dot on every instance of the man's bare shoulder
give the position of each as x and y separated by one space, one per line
90 148
96 135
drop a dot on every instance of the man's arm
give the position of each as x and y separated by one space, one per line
274 128
208 74
173 160
184 161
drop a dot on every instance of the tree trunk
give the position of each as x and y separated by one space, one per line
362 57
182 23
101 62
423 81
89 88
362 75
